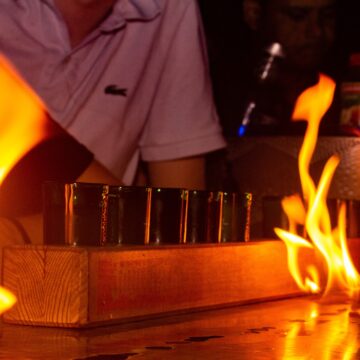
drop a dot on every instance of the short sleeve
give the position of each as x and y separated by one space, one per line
183 120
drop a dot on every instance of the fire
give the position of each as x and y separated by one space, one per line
22 118
7 300
310 215
22 126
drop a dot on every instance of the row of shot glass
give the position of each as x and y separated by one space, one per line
85 214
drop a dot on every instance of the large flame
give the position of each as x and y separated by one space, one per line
22 126
310 212
22 118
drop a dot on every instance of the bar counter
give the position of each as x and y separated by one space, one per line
296 328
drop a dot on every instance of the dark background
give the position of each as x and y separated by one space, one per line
229 42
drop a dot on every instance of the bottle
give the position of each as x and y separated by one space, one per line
264 72
350 98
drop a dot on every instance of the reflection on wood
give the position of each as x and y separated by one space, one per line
300 328
51 286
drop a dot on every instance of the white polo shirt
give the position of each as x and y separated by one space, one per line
138 86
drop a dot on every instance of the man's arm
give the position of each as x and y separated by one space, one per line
188 173
97 173
33 225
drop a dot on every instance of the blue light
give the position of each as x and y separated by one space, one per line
241 130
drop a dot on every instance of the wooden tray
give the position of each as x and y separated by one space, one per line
88 286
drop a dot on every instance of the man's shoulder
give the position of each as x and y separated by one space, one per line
8 7
177 5
19 14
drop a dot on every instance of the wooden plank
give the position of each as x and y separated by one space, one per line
77 287
51 285
274 330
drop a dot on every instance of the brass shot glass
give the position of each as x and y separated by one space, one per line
167 215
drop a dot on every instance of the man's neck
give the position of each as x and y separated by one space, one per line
83 16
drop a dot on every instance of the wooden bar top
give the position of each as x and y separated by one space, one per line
298 328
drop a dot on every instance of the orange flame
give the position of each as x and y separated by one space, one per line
312 213
22 126
7 299
22 118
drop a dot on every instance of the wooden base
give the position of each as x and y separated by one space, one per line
87 286
76 287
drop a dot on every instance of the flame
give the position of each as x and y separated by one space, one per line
22 126
7 299
310 212
22 118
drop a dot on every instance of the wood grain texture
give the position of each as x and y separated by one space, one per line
51 285
161 280
76 287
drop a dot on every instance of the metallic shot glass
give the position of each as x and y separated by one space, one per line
235 217
168 212
353 218
202 217
86 208
53 213
273 216
352 208
352 215
128 215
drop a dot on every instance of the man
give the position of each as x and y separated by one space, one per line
127 79
306 30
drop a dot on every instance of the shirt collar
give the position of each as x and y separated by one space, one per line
125 10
